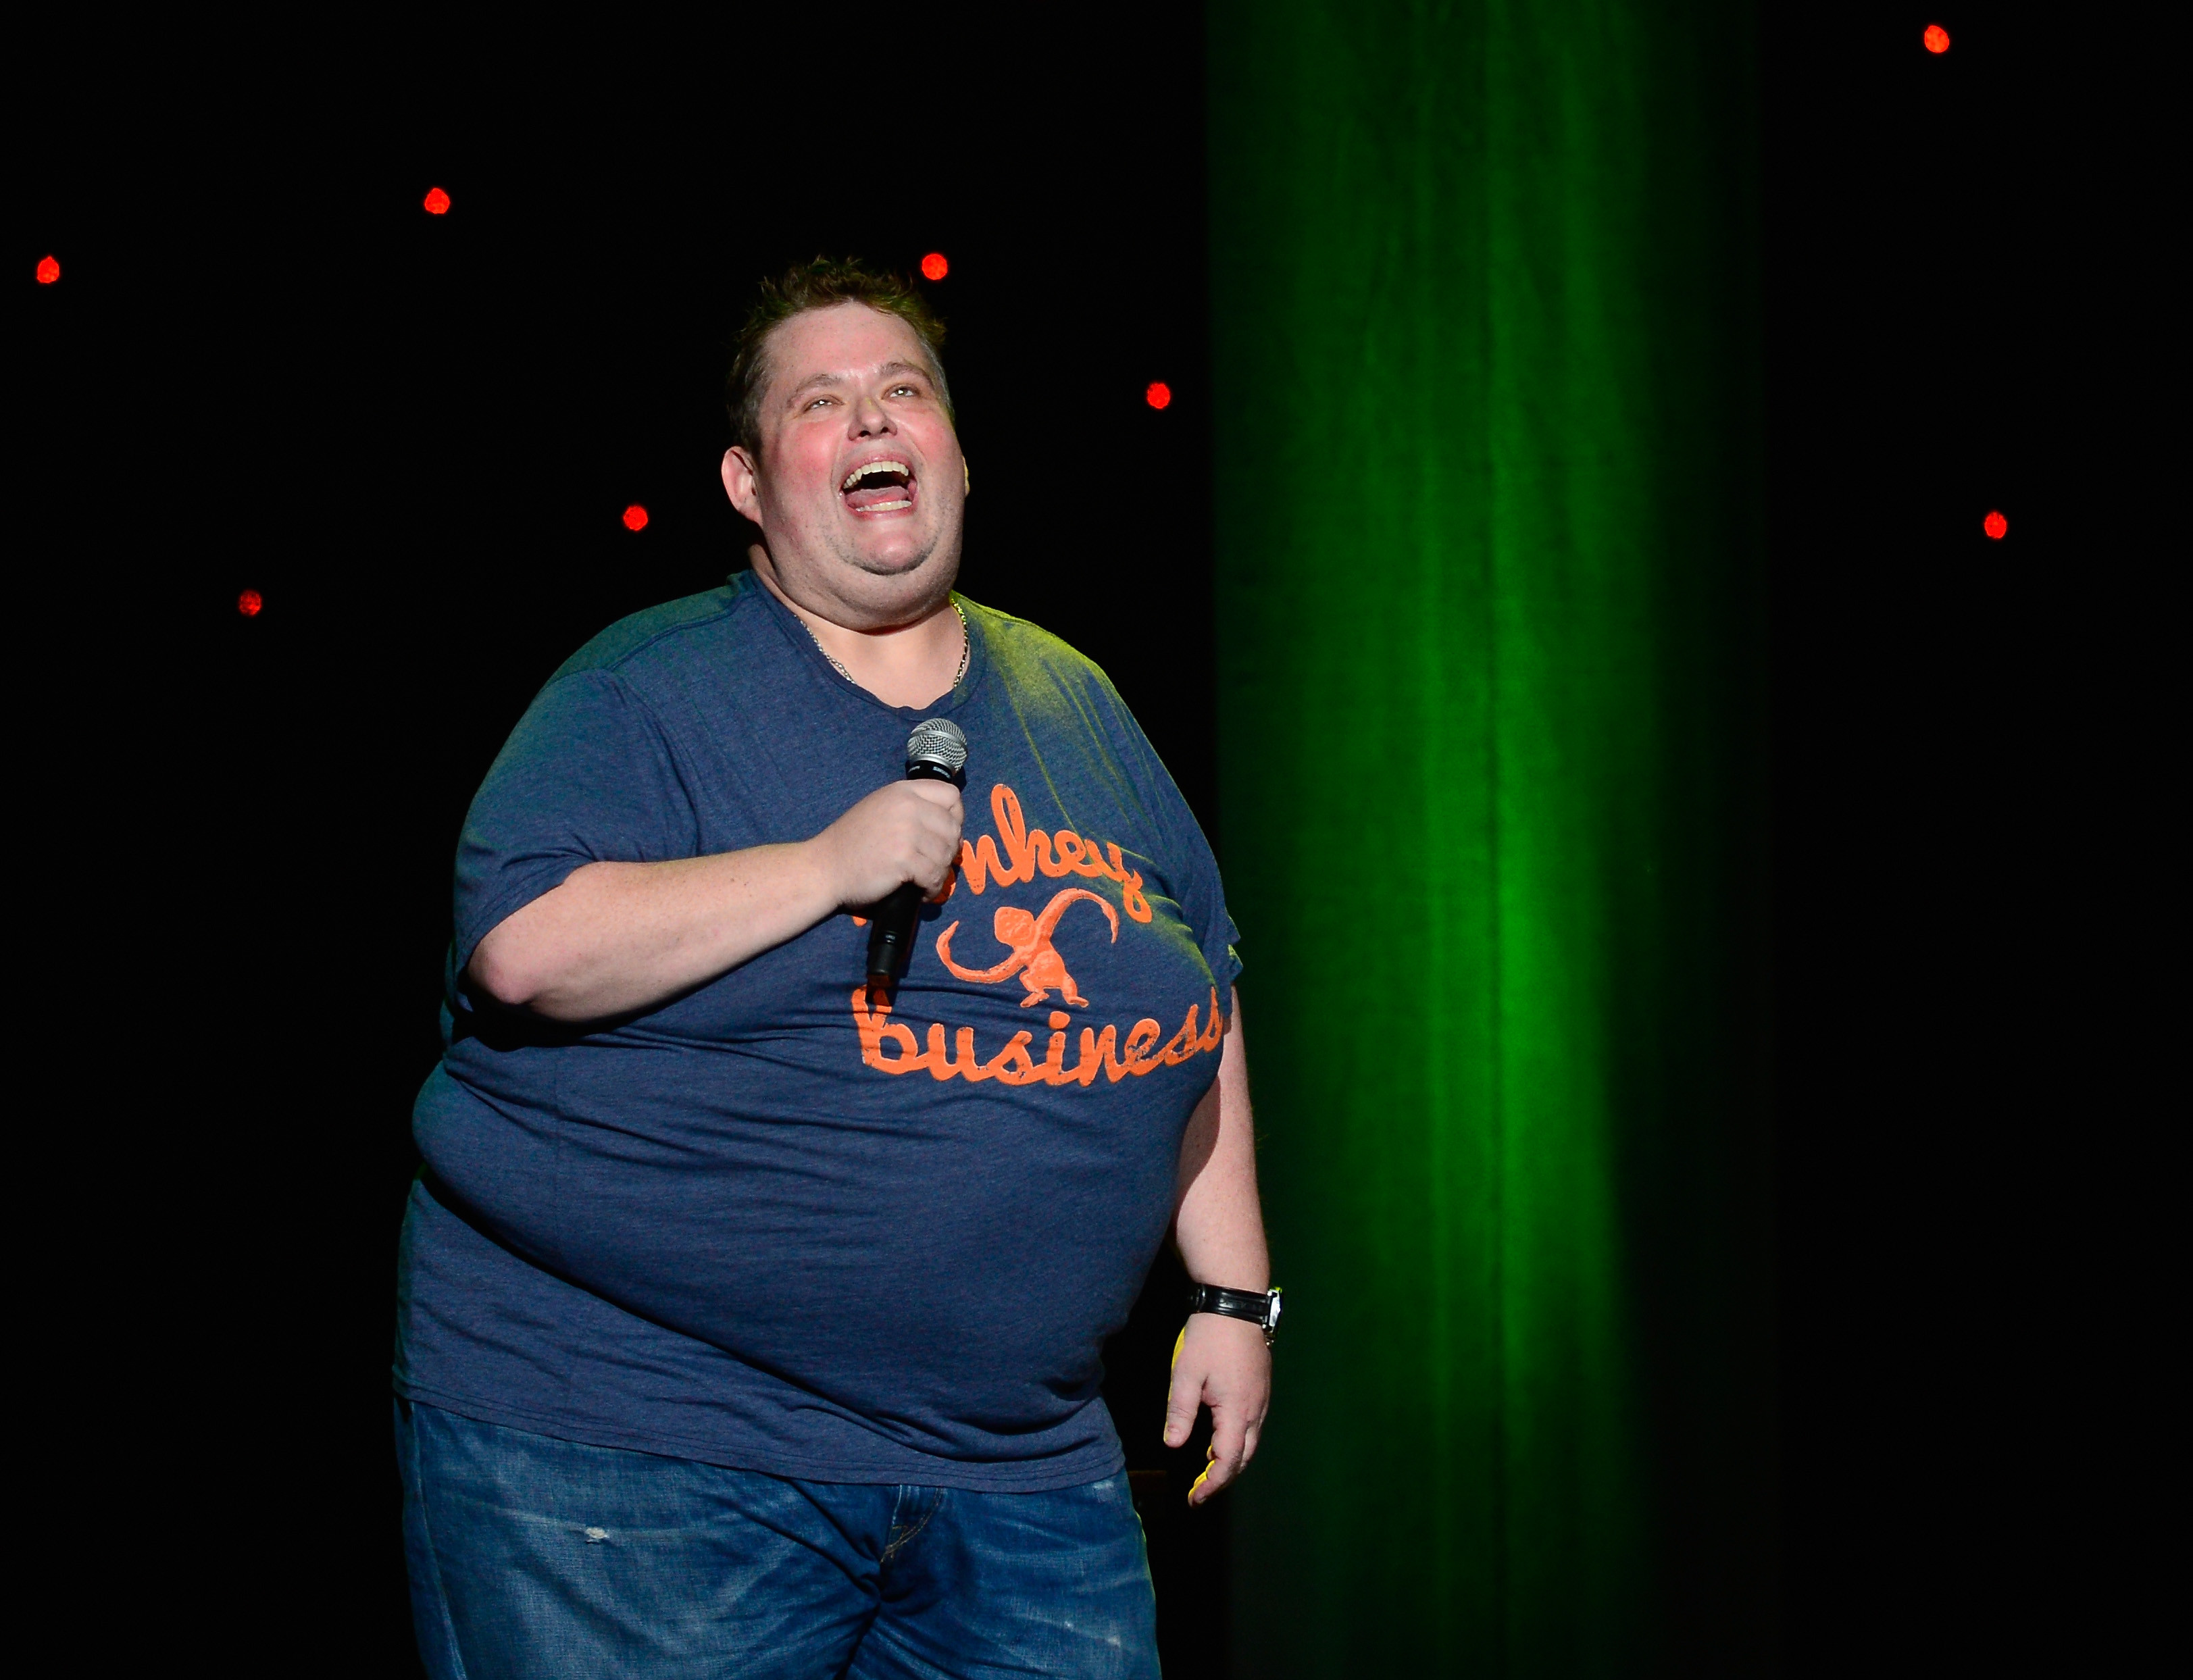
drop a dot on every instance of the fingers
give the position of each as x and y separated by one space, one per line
937 817
1229 1452
902 832
942 794
1233 1444
937 837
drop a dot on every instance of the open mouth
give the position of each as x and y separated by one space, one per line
879 487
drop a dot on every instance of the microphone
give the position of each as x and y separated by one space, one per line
934 752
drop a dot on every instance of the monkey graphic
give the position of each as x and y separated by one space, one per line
1032 957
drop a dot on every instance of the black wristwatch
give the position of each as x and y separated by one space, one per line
1261 1310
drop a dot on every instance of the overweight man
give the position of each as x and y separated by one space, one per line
749 1319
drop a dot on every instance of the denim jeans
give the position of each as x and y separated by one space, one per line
533 1558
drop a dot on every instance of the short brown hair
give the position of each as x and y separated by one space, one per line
822 283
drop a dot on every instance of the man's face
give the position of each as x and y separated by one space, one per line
860 488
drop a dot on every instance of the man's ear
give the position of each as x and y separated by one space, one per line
742 482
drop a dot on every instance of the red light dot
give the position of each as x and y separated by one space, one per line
1995 526
1936 38
437 202
1158 395
49 270
935 267
249 603
635 517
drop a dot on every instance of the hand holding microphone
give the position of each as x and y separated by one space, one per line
897 846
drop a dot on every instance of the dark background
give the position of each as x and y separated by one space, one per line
265 367
1966 833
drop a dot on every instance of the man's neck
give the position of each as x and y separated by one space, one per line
910 664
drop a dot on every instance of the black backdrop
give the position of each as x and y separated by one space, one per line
266 368
1965 837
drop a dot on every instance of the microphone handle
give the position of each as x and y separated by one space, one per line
891 936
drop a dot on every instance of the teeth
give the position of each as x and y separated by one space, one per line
862 471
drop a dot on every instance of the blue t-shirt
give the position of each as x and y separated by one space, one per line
760 1225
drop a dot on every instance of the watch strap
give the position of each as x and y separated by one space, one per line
1259 1307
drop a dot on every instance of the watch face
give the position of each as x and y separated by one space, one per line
1271 1314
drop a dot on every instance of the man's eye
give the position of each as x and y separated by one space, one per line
905 390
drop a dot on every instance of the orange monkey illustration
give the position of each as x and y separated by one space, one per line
1033 958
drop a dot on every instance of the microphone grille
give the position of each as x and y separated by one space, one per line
937 741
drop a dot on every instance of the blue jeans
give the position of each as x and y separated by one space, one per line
535 1558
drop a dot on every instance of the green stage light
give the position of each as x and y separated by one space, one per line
1488 522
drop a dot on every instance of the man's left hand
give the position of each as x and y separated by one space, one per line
1224 1364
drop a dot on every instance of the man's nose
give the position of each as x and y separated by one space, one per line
869 417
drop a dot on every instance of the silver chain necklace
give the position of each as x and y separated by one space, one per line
966 648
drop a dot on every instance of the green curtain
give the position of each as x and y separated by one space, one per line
1491 646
